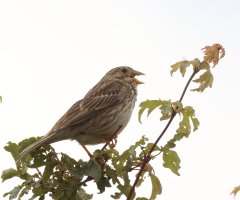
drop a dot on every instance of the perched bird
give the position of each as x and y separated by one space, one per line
100 116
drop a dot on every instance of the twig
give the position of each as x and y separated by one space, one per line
195 71
39 172
148 156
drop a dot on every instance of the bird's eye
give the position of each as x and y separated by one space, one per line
124 70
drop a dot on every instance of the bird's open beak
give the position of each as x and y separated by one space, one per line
137 73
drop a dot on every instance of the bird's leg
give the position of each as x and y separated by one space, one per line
87 151
111 142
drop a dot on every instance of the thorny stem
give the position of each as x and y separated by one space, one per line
147 158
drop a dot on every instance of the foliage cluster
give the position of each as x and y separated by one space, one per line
60 176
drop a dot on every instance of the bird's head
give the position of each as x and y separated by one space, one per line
125 73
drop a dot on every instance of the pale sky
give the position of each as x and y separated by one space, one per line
53 52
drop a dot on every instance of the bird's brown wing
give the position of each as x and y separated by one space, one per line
98 99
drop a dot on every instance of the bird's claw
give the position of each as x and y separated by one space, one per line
112 143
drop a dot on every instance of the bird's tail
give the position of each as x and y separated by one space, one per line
47 139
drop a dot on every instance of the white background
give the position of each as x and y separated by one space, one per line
53 52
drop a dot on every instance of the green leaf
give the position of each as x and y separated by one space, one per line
171 160
82 195
39 158
182 66
183 70
177 106
235 190
204 65
48 171
25 189
184 130
27 142
9 173
147 148
195 123
125 187
129 157
150 145
184 127
13 193
205 80
116 195
140 181
38 190
170 144
195 63
92 169
121 161
102 184
188 114
156 187
13 149
58 193
142 141
175 67
150 105
64 190
142 198
166 110
68 160
111 173
22 170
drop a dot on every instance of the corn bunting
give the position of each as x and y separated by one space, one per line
100 116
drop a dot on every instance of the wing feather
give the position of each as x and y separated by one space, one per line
93 103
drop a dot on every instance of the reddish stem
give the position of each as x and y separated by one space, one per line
147 158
